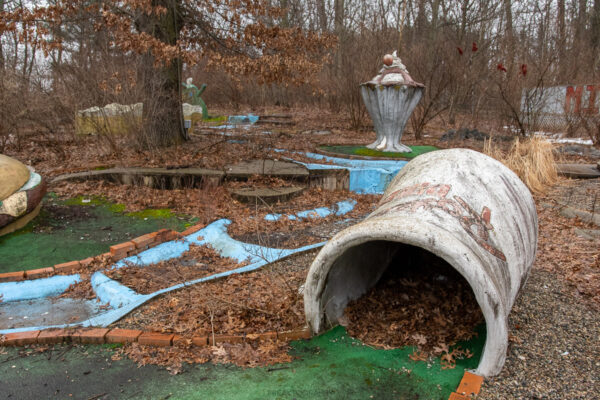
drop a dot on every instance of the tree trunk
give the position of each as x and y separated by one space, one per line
1 52
339 31
562 39
508 28
421 23
322 14
285 20
162 118
595 36
435 10
581 22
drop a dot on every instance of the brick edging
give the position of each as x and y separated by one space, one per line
123 336
469 386
117 252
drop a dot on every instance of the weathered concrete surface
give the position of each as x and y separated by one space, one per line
585 216
267 195
579 199
151 177
390 108
578 171
163 178
458 204
46 311
275 168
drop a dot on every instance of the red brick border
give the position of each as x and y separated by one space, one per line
117 252
90 336
469 386
39 273
12 276
123 336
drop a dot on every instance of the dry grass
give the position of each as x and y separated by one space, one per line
532 160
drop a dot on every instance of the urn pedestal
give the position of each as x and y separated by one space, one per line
390 107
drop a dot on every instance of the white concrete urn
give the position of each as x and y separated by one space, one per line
390 98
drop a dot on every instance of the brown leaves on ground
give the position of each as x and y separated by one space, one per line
83 288
286 233
198 262
256 302
241 354
266 300
207 204
569 256
426 304
212 203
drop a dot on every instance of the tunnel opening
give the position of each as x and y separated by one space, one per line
391 295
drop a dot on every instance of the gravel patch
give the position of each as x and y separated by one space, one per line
554 350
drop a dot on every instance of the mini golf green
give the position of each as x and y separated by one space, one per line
330 366
79 228
364 151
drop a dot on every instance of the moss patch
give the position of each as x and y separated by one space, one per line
366 152
78 228
152 213
220 118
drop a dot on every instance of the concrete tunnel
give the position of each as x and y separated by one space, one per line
459 205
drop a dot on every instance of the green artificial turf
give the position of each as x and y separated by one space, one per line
364 151
330 366
78 228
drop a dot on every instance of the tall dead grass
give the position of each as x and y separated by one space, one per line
531 159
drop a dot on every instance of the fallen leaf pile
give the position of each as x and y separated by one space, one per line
198 262
266 300
83 288
242 354
426 304
212 203
262 301
568 255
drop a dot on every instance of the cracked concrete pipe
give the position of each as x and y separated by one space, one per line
459 205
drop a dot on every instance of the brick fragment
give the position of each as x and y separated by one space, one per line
200 341
161 235
456 396
90 336
67 267
171 235
12 276
470 384
19 338
181 340
122 250
294 335
218 339
261 336
156 339
39 273
86 262
122 335
144 242
192 229
53 336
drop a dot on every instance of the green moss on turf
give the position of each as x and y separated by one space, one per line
365 151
